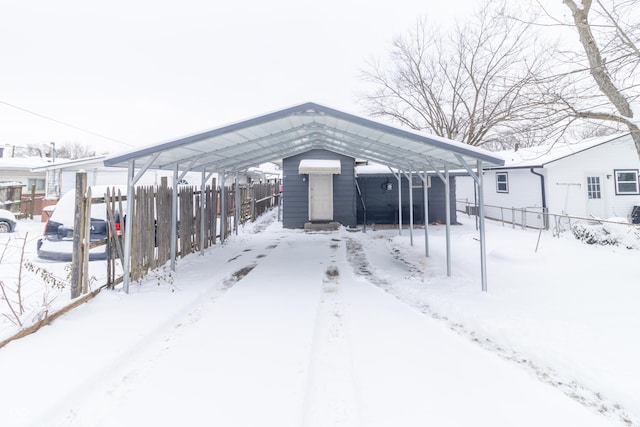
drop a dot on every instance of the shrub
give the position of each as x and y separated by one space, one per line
593 234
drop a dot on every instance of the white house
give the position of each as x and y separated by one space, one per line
20 169
17 180
61 175
597 177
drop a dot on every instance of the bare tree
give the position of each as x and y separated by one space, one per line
478 84
38 150
609 34
74 150
69 150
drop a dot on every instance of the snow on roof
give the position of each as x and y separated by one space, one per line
542 154
372 169
66 163
266 169
22 163
319 166
11 184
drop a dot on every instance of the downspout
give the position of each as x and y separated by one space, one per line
544 199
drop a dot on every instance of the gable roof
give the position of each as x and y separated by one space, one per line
542 155
298 129
73 163
21 163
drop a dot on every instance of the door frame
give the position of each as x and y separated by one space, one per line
313 179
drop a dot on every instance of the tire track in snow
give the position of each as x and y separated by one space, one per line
331 398
573 389
112 380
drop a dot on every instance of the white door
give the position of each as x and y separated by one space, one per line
596 201
320 197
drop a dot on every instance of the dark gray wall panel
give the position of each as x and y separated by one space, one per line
296 191
382 204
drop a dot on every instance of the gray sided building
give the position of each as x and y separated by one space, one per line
319 196
320 186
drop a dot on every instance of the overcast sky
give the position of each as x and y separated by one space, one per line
144 72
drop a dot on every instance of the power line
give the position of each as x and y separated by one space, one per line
64 123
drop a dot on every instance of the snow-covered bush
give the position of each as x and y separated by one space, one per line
593 234
619 233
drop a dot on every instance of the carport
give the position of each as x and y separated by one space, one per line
230 149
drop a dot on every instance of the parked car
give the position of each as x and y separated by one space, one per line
635 215
56 243
7 221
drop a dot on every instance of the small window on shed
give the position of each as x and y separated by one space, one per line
627 181
502 182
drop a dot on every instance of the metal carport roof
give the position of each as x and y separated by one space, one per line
299 129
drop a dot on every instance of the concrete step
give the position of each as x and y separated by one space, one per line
321 226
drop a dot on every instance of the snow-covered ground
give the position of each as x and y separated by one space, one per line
286 328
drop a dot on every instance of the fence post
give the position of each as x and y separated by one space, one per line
33 201
86 239
78 220
253 208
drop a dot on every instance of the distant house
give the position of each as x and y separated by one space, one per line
61 175
597 177
18 178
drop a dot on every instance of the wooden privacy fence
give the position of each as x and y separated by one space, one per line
152 224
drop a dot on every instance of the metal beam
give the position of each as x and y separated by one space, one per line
174 218
202 198
128 226
223 207
399 178
236 207
447 202
425 186
410 179
483 249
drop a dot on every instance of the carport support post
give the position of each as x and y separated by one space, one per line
236 202
447 203
174 218
425 186
223 206
410 178
203 182
483 249
399 176
128 226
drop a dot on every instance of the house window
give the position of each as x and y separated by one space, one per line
502 182
627 181
593 187
39 183
416 181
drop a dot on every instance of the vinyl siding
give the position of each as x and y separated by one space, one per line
296 191
565 184
382 205
602 160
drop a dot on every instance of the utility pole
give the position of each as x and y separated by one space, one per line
53 171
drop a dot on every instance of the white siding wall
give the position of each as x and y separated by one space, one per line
118 176
524 192
567 180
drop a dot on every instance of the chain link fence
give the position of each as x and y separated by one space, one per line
594 231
